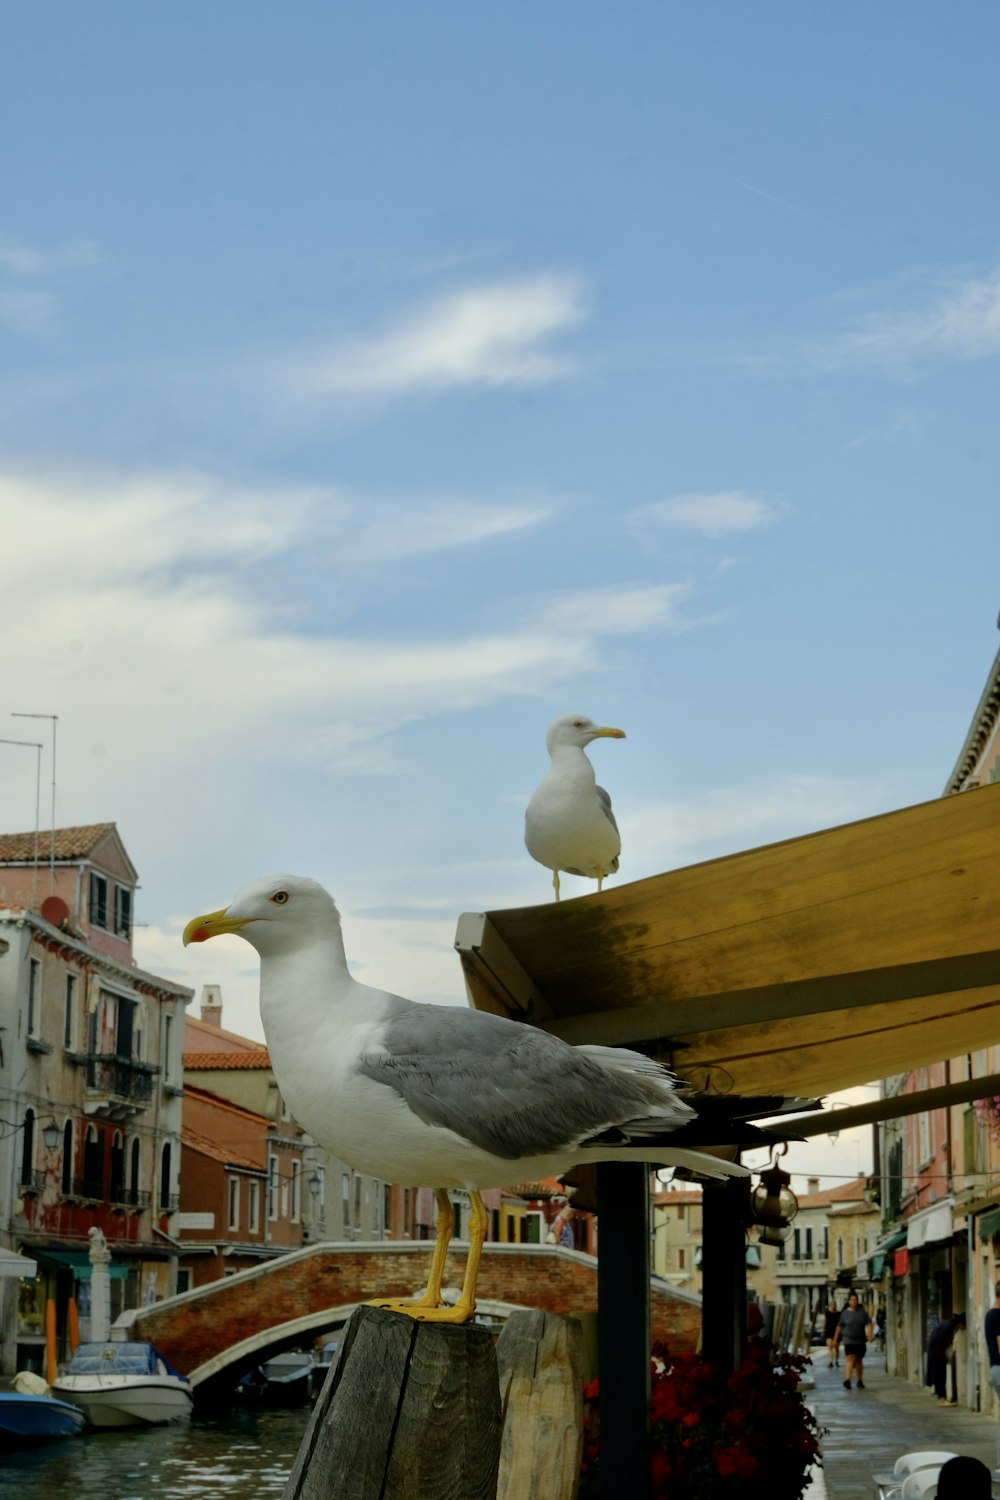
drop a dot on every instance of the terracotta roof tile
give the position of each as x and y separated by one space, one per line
197 1061
71 843
204 1036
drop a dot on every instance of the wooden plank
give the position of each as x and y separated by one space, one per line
540 1361
411 1411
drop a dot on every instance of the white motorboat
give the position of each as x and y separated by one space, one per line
124 1385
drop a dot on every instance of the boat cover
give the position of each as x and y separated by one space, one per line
120 1359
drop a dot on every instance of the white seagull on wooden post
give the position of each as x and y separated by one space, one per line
569 824
435 1095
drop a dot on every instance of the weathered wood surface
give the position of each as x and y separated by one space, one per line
541 1389
411 1411
799 967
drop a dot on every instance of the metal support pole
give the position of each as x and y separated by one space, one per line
623 1327
725 1212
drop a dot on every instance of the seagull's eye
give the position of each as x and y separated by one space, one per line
579 724
279 898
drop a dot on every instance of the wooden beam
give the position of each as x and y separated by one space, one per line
894 1107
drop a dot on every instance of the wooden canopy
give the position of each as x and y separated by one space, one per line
799 968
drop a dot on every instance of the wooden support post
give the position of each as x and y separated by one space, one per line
411 1411
541 1391
725 1212
623 1327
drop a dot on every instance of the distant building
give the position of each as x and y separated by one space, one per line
90 1085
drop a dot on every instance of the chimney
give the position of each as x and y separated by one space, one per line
813 1181
211 1004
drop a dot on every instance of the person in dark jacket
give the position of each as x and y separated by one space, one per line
938 1354
964 1479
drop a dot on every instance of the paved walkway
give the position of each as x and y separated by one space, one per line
867 1430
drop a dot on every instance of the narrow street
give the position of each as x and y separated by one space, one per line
867 1430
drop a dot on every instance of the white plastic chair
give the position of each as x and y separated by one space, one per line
888 1487
921 1484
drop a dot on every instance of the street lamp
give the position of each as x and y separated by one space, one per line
774 1204
51 1135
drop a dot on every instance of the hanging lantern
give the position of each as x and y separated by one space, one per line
774 1205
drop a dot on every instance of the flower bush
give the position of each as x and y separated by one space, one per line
713 1436
988 1111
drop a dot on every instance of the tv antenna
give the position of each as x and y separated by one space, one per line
38 747
54 719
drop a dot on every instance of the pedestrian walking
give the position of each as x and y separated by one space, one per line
992 1328
939 1355
854 1327
830 1320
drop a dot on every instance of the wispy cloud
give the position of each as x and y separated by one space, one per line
490 335
30 312
963 324
622 609
18 259
712 513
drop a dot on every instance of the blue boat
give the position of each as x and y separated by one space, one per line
27 1420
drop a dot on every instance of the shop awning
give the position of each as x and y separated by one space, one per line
12 1264
878 1256
796 969
930 1226
989 1225
78 1262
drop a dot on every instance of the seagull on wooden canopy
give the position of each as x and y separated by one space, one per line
569 824
434 1094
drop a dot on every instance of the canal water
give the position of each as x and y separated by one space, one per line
246 1455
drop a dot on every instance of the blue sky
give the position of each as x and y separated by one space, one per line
377 383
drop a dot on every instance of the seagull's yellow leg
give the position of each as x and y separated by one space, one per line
417 1307
555 882
465 1308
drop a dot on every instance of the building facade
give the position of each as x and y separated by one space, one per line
90 1086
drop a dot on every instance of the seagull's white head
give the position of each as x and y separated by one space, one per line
280 912
578 730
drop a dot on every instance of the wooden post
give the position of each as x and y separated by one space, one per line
725 1211
623 1327
410 1411
541 1390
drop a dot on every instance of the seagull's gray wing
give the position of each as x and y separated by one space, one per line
604 802
510 1089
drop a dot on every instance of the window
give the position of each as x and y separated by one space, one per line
253 1214
165 1177
681 1259
923 1138
28 1149
272 1187
825 1252
93 1164
66 1183
809 1244
680 1211
69 1011
797 1244
296 1191
168 1043
98 900
117 1168
133 1172
345 1195
34 995
357 1200
234 1203
840 1253
183 1280
123 911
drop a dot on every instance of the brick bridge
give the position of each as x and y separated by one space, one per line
216 1333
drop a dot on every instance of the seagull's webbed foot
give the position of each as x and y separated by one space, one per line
422 1311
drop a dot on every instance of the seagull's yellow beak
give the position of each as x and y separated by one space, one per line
610 734
213 924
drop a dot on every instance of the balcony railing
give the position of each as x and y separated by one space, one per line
89 1187
118 1080
122 1197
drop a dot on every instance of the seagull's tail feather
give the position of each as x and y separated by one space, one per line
669 1156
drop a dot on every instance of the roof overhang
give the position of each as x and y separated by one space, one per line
799 968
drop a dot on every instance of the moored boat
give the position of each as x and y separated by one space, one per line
124 1385
27 1419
